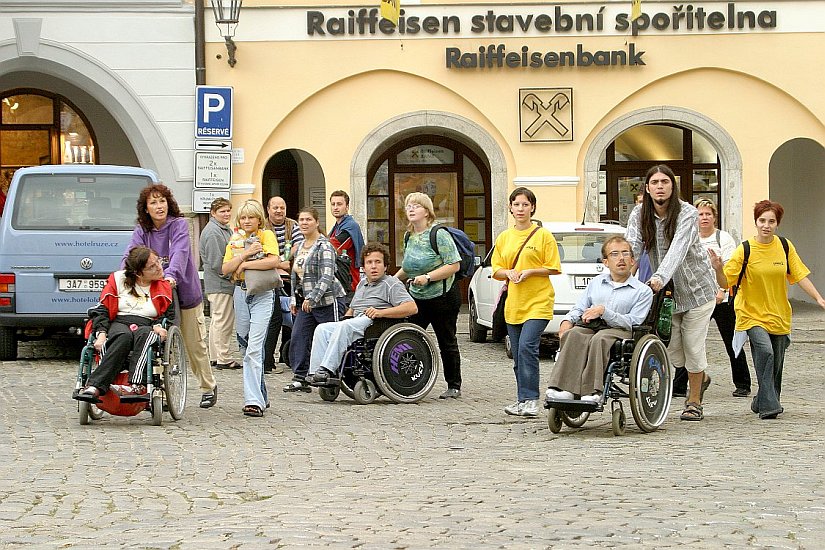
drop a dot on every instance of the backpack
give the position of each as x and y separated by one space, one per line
342 272
746 247
466 249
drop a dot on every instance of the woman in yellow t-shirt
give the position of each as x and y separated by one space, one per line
530 297
762 307
259 251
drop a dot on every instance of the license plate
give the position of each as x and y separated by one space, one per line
81 285
581 281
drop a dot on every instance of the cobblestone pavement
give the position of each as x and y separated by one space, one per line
436 474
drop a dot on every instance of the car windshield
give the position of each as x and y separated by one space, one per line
581 247
77 201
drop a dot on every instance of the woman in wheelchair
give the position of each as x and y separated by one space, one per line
133 305
607 311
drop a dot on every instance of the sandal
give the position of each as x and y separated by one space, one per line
90 394
253 410
693 412
209 399
705 386
297 385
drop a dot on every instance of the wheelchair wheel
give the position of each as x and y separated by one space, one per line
619 422
83 412
329 393
364 392
157 410
405 363
576 421
554 420
94 412
174 372
650 383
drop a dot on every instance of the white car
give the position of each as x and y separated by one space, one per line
580 248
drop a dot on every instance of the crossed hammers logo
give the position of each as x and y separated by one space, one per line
546 113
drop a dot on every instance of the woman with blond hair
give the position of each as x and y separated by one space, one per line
252 312
432 284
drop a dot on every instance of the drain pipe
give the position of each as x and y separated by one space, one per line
200 44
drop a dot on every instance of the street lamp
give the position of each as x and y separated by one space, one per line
227 13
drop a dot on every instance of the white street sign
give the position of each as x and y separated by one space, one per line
213 145
202 200
213 170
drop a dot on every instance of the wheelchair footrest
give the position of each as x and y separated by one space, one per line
136 398
575 405
328 383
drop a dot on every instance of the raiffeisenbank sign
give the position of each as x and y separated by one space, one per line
487 24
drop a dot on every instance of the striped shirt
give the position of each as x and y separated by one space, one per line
280 233
684 260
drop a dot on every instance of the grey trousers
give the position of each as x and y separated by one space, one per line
583 359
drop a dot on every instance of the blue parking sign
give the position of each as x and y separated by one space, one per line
214 112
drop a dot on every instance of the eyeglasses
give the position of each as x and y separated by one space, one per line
413 206
623 253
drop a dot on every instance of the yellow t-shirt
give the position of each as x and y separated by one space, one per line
532 298
268 241
762 301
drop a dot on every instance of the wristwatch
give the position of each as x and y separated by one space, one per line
427 275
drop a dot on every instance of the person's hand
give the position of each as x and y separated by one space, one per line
171 281
99 341
420 280
715 260
821 303
515 276
564 327
253 249
720 295
373 313
293 310
160 331
592 313
306 307
655 283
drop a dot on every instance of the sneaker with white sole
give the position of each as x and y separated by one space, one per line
530 408
593 397
558 394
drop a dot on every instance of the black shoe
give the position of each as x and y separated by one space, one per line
322 377
741 392
267 370
232 365
209 399
680 393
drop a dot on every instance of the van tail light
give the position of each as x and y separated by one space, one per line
7 292
6 282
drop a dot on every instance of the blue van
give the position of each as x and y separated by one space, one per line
63 231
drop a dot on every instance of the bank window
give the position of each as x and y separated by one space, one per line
650 142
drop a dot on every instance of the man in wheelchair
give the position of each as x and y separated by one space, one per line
377 296
133 305
611 305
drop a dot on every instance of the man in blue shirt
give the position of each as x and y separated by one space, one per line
612 304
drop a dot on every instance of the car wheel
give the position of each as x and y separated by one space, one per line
478 333
8 343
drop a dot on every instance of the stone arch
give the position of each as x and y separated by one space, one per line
435 122
86 73
729 155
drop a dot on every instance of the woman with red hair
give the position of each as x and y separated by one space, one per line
762 307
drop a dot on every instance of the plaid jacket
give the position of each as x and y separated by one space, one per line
319 285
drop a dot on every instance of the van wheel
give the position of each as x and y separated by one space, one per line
8 343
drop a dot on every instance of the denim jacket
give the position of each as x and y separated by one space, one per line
319 285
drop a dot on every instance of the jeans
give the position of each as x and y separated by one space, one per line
524 341
768 353
303 331
252 315
332 340
442 313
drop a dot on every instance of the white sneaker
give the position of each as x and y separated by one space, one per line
530 408
513 409
593 397
558 394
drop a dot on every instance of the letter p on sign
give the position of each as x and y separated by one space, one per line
213 118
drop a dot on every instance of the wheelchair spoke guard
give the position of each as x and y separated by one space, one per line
405 363
651 385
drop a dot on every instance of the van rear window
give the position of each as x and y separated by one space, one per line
77 202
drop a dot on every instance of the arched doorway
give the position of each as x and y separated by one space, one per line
796 181
297 177
626 160
39 127
449 172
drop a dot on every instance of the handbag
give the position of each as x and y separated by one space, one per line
259 281
499 323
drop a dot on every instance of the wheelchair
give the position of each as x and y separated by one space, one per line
394 358
641 365
165 384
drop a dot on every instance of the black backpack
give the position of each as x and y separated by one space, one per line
746 246
342 270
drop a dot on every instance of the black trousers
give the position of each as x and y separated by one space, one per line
442 314
121 340
725 318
